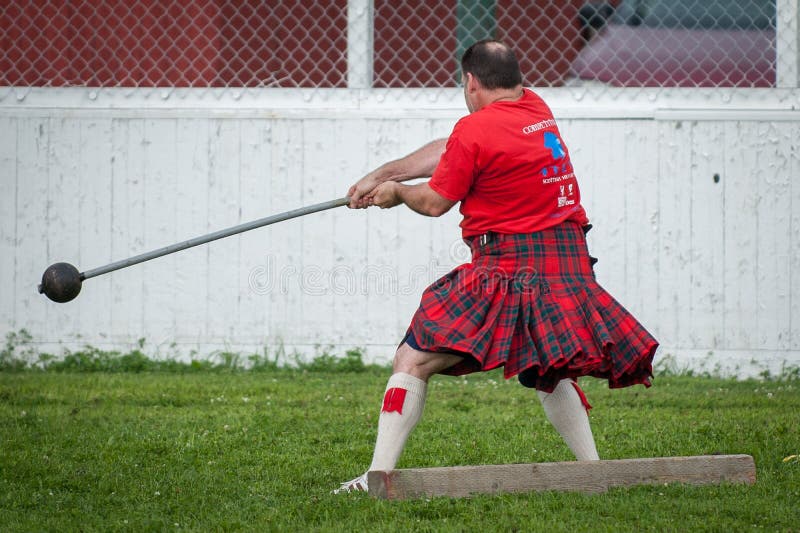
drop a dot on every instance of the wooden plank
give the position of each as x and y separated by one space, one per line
386 142
639 172
608 237
412 244
707 235
94 224
8 223
350 235
283 242
222 313
323 152
740 269
570 476
794 258
128 168
191 220
66 198
255 162
773 227
158 188
675 213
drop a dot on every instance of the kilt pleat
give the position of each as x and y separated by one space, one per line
531 304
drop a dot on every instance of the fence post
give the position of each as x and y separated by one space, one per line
787 43
359 43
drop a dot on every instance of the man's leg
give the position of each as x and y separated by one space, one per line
403 403
566 412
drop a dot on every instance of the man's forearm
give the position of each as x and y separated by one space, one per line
418 164
423 200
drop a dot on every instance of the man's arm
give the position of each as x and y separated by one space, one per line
418 164
420 198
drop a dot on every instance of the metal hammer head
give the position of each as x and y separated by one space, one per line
61 282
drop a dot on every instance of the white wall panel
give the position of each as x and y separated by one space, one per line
773 310
350 249
707 230
380 274
127 299
224 199
94 178
608 198
742 147
641 222
322 181
189 278
599 156
36 211
348 163
8 218
159 223
283 248
675 200
413 242
256 157
794 241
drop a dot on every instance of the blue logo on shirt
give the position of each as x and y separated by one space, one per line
553 143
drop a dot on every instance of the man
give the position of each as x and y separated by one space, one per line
528 301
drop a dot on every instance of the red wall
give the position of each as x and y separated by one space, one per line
173 43
415 43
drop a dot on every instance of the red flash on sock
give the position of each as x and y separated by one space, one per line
394 400
584 401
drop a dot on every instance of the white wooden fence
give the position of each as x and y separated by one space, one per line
695 204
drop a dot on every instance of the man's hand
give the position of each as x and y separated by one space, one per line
418 164
420 198
386 195
359 192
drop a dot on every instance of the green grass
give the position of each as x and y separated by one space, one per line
261 450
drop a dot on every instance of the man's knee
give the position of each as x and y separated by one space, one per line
421 364
407 359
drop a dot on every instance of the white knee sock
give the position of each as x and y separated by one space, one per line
403 403
566 412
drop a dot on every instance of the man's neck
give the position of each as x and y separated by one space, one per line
501 95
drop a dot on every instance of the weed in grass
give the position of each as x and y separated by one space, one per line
17 351
262 362
352 361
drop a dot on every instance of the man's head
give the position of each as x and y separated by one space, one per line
493 66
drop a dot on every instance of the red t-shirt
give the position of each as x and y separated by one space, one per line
510 170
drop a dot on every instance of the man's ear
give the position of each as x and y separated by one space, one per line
471 82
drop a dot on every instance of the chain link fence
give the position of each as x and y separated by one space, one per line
328 44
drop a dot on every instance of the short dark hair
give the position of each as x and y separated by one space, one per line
493 63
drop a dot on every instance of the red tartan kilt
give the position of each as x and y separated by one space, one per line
530 303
